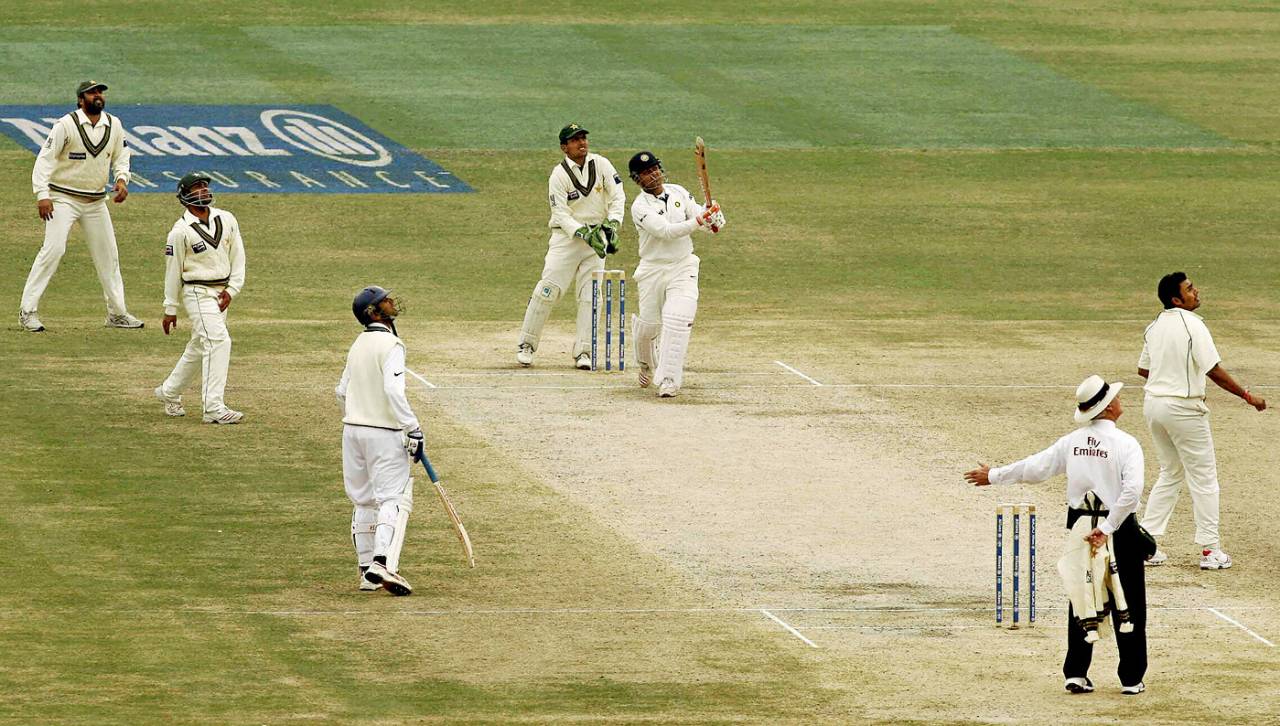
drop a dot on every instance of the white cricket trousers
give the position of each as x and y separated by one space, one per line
375 472
570 262
95 222
669 295
1184 447
209 348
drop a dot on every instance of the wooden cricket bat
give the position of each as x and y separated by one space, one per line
700 155
458 527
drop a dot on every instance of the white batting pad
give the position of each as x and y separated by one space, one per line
677 326
541 302
645 333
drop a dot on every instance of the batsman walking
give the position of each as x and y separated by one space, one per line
380 436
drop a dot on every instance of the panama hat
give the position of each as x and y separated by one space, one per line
1093 395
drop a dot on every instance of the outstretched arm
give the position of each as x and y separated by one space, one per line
1220 376
1034 468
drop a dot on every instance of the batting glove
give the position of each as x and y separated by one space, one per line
413 444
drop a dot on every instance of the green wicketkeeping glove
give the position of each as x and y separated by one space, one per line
597 242
609 229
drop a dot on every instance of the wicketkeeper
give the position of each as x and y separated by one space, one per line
587 202
380 436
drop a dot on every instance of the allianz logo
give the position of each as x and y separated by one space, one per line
300 131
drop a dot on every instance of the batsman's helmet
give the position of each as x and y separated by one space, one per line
189 195
366 303
641 161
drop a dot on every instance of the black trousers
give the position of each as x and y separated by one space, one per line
1132 646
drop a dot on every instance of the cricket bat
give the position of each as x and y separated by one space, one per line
449 510
700 155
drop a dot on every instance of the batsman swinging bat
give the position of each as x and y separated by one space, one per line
448 508
700 155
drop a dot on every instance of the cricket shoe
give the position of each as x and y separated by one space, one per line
390 581
524 355
365 584
1159 558
1079 685
1134 690
172 404
645 376
224 416
123 320
583 362
1214 559
30 321
667 389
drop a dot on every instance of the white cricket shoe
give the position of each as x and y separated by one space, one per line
30 321
225 416
1134 690
172 404
365 584
390 581
1159 558
1214 559
583 362
524 355
644 376
1079 685
123 320
667 389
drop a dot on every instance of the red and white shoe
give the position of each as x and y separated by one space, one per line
1213 559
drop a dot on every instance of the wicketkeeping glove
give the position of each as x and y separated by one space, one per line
609 228
598 242
413 444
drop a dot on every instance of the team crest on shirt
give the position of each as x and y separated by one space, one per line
198 247
573 195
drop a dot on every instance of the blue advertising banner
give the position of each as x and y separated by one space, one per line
259 149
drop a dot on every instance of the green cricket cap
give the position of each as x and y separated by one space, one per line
570 131
86 86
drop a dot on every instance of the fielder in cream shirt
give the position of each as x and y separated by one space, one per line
68 180
1177 354
204 270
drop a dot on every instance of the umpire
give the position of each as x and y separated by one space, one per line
1099 460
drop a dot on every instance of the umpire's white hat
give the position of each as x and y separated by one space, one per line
1093 395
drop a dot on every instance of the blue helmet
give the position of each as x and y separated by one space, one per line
367 301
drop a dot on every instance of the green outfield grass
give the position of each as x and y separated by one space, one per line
941 164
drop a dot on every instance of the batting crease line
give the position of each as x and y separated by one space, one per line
425 382
1240 625
798 373
790 629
